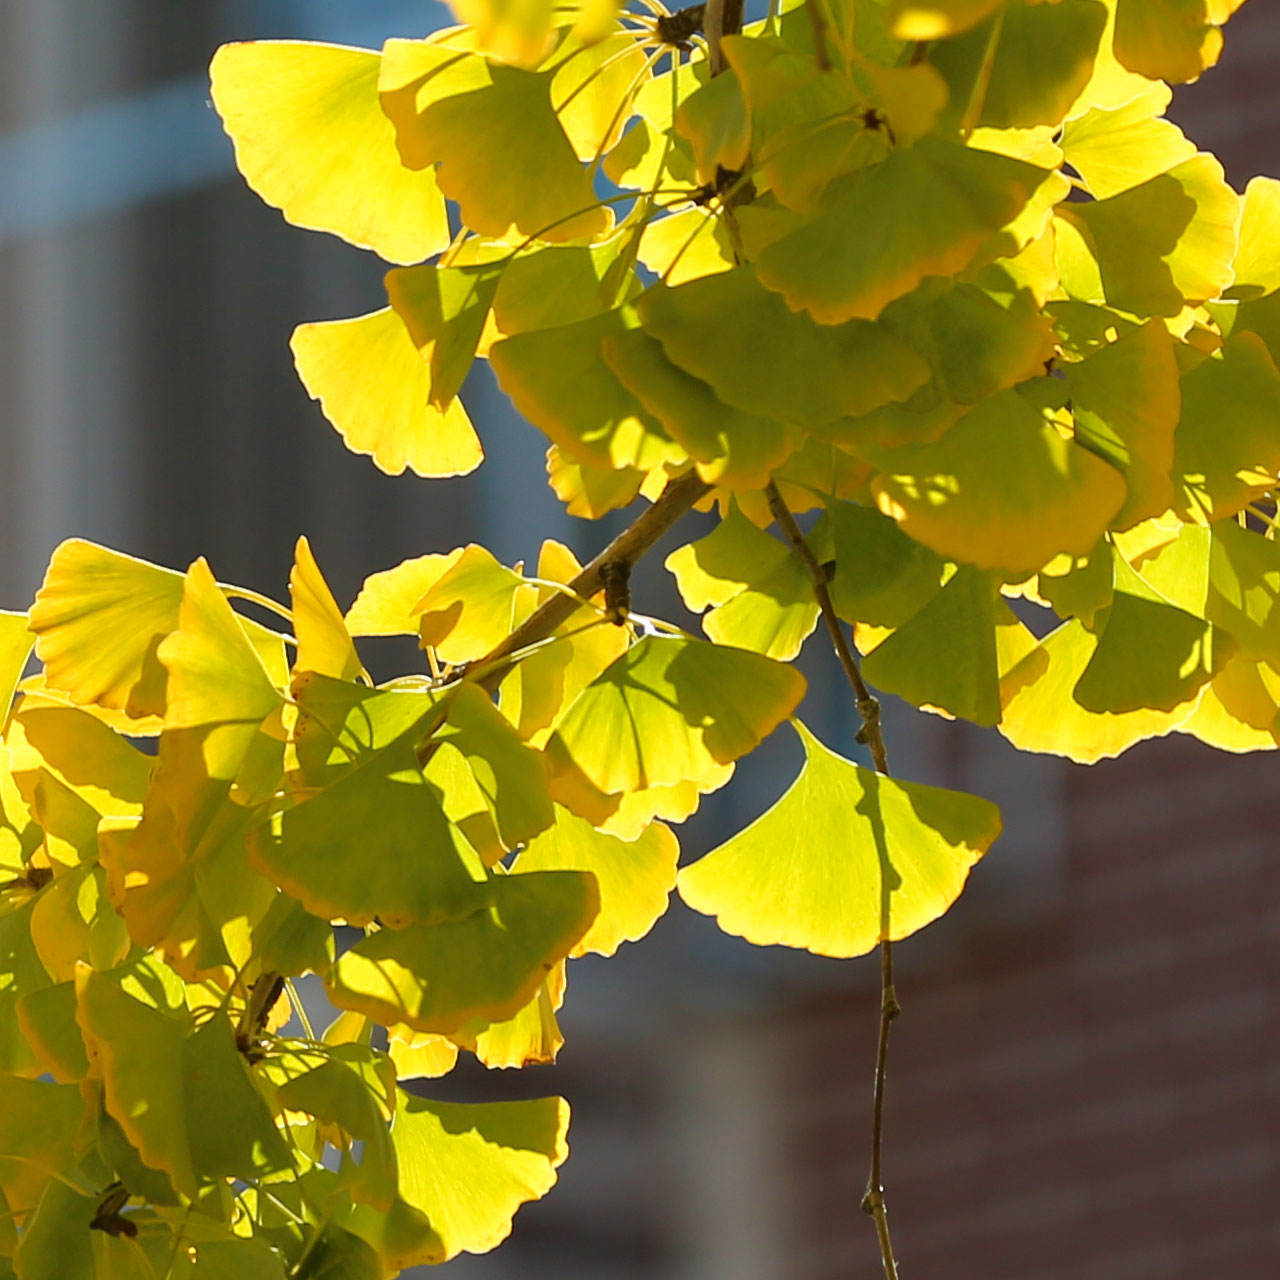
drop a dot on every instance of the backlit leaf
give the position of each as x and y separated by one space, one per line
470 607
15 644
935 19
311 139
385 605
763 358
470 116
1002 489
1257 266
375 389
635 877
670 710
1172 40
38 1128
925 210
846 857
436 977
324 644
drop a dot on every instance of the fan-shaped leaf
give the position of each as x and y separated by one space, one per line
385 605
846 857
324 643
470 607
311 139
1172 40
375 389
936 19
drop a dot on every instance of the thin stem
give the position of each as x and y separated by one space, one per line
254 597
873 1201
818 23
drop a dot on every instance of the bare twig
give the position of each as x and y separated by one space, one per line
873 1202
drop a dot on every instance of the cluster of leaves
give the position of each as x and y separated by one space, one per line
935 270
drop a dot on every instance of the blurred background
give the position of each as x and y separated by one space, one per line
1083 1082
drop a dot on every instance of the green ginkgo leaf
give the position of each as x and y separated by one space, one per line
975 346
1243 593
385 604
925 210
457 110
845 858
1239 709
467 1167
46 1020
775 615
493 786
375 389
1172 40
324 643
591 492
1162 244
714 569
486 965
1151 655
950 656
1023 67
530 1036
1041 712
635 877
1001 490
557 284
671 710
763 358
713 120
445 309
39 1122
558 378
1126 399
1227 448
181 1093
882 576
21 973
312 140
88 592
730 447
1113 150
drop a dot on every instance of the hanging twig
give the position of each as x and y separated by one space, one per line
873 1202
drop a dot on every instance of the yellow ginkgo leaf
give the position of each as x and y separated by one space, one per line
845 858
324 643
1001 490
1174 40
470 607
312 140
937 19
16 640
385 604
375 389
635 877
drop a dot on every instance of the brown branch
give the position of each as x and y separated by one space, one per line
625 550
818 23
720 18
873 1201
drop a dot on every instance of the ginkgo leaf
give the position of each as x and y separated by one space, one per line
950 656
88 592
487 965
714 569
1042 714
774 615
155 1064
73 921
730 447
469 1166
470 607
936 19
46 1020
559 380
635 877
324 643
385 604
375 389
374 843
672 709
445 309
16 640
975 346
1026 66
594 78
420 1054
216 676
882 576
925 210
289 940
530 1037
1150 653
1239 709
845 858
1257 265
713 120
590 492
1164 243
1113 150
763 358
1242 594
685 245
1172 40
470 116
1002 489
1126 400
22 973
311 139
39 1122
1227 449
558 284
519 31
493 786
1078 586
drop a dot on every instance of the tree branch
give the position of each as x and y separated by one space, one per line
873 1202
